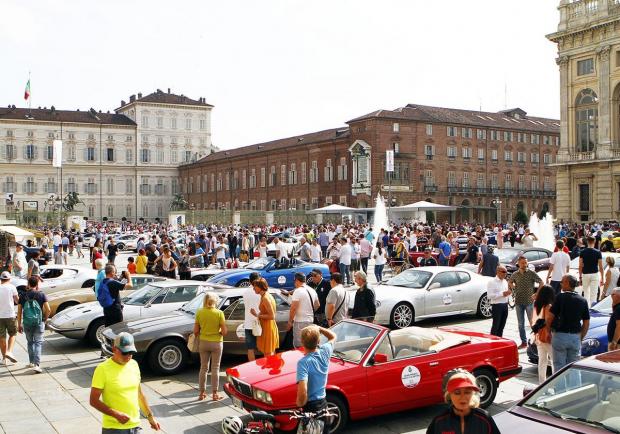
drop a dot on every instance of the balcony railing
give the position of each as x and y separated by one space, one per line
580 12
430 188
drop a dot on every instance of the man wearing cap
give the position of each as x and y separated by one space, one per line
8 323
613 327
428 260
116 390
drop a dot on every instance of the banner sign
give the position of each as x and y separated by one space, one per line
57 154
389 161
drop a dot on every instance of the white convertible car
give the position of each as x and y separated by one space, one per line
154 299
59 278
425 292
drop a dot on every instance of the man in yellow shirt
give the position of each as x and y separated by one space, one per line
116 391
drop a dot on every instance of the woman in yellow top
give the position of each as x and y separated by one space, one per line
210 326
269 339
141 262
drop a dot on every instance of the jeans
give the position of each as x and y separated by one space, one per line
566 349
345 272
521 310
499 311
210 353
364 264
34 337
379 272
590 287
136 430
317 406
222 262
443 261
557 287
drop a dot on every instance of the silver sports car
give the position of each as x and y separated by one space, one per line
426 292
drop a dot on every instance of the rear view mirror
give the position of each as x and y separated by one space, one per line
380 358
434 286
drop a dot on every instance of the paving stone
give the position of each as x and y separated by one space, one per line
23 409
79 425
26 426
70 409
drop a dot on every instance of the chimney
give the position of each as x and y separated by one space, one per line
122 102
139 95
53 110
168 90
132 98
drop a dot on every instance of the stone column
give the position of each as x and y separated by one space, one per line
563 184
604 101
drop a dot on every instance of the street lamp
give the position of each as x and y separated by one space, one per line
497 203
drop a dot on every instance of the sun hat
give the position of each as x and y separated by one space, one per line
460 383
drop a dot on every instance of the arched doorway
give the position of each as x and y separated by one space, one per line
465 211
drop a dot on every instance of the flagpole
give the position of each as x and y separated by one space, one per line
29 96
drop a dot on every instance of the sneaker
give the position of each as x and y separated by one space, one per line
31 365
11 357
37 369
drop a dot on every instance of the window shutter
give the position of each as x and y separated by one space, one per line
35 152
25 153
85 154
34 187
3 152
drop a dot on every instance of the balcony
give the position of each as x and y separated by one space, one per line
581 13
455 189
430 188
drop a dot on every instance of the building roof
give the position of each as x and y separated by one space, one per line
515 119
161 97
300 140
52 115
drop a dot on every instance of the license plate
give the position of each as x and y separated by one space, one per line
237 402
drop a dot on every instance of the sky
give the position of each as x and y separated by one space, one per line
279 68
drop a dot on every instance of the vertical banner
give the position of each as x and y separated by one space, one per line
389 161
57 153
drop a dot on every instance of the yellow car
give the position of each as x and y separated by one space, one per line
63 299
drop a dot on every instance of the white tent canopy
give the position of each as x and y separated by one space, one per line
333 209
20 234
424 206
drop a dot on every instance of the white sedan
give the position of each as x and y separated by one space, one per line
59 278
426 292
154 299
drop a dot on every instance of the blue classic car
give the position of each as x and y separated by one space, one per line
595 341
277 274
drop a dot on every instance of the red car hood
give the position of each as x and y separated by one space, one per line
274 373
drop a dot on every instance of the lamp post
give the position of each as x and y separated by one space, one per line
497 203
192 208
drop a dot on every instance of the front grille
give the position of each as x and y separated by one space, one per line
242 388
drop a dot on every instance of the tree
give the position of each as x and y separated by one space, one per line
521 217
178 203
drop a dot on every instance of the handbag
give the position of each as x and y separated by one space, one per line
257 330
193 343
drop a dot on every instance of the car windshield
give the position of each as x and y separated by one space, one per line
259 263
604 306
586 396
193 305
506 256
142 296
411 279
352 340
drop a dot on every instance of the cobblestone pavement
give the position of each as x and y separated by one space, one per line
57 400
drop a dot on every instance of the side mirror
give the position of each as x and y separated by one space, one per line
380 358
528 389
434 286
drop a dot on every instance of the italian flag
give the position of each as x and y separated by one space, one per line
27 91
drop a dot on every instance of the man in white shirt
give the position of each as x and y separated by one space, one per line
57 240
303 304
344 259
8 322
281 253
365 251
337 304
20 265
498 293
220 252
559 265
528 239
251 300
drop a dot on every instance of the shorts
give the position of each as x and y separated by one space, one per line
8 326
250 340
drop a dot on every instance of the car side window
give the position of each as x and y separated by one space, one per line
446 279
181 294
385 347
238 311
532 255
463 277
228 305
52 273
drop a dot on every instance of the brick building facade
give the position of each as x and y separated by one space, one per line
467 159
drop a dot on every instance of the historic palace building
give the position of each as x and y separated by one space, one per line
469 159
588 177
122 164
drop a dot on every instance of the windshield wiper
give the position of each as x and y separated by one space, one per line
575 418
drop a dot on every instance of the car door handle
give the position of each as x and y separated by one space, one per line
433 364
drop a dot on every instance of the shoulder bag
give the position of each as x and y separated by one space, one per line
193 343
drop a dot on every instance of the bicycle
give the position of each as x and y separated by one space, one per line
261 423
310 422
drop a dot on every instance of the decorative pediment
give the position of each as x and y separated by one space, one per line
359 147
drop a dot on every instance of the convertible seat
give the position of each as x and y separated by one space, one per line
606 409
406 352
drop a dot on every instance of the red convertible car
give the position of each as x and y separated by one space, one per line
376 371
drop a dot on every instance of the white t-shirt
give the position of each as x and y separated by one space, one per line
305 310
560 261
345 254
7 308
220 251
57 240
280 248
20 258
315 253
527 241
250 300
380 259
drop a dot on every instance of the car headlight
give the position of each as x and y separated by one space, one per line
261 395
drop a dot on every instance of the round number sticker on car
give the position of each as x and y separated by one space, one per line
241 331
410 376
281 280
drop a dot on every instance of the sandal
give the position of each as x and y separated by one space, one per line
217 397
202 396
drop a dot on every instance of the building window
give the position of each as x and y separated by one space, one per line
90 187
467 153
145 210
187 156
507 136
252 178
129 155
160 122
494 154
584 197
49 153
272 176
329 171
109 154
547 183
480 181
546 140
71 153
160 156
174 185
50 186
494 135
303 172
173 123
466 133
534 182
90 154
263 172
508 155
508 181
128 210
30 152
145 188
452 131
227 181
400 176
110 186
203 124
145 121
174 156
159 140
521 157
429 151
586 120
481 134
535 139
160 188
585 67
292 174
145 155
72 186
396 127
494 181
466 180
188 124
110 211
451 179
129 139
429 180
342 169
283 174
129 186
396 147
451 151
480 153
11 152
429 129
244 177
145 138
547 159
522 186
535 158
91 211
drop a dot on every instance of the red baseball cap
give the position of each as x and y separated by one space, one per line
461 383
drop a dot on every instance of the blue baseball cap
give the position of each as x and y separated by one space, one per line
124 342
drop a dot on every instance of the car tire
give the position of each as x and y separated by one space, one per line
402 316
484 307
243 283
66 305
487 382
120 246
168 357
88 284
94 331
337 405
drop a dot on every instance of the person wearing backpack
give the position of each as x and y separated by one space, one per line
109 296
32 313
